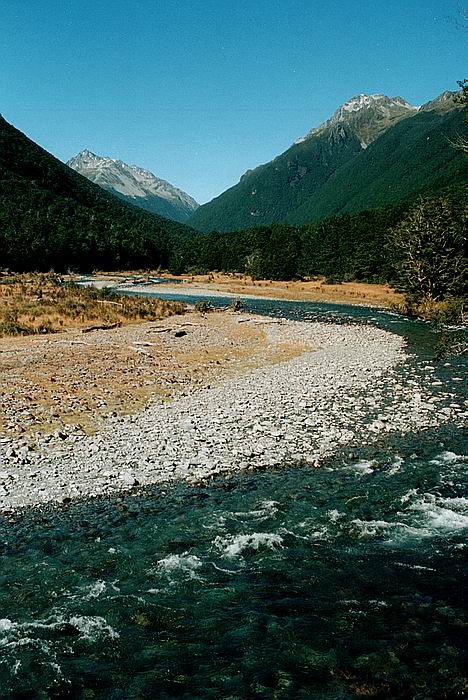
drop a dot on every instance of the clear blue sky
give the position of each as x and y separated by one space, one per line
198 91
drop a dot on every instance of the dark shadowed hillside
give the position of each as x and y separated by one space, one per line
372 152
50 216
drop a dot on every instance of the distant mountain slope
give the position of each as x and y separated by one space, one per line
374 150
135 185
414 157
271 191
50 216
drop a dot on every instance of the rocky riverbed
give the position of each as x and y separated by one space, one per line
351 389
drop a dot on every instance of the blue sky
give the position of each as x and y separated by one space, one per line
198 91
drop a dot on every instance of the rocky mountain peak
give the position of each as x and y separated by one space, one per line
135 184
367 116
444 102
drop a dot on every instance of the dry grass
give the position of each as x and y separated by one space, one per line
312 290
49 382
42 303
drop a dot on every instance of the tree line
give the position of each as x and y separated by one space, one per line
419 246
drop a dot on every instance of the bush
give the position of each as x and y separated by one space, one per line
429 245
333 279
236 305
202 307
447 313
450 343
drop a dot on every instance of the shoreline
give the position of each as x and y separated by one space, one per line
342 386
231 286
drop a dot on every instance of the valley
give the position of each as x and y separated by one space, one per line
232 455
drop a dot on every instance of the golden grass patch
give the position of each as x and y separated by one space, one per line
43 303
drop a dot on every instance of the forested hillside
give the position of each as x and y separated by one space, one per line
415 156
343 247
52 217
270 192
330 172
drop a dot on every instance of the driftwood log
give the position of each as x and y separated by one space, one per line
104 327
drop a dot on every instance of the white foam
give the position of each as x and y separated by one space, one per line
408 496
233 546
266 509
440 517
395 466
319 534
416 567
186 563
370 528
88 626
94 590
93 627
364 466
367 529
6 625
448 456
335 515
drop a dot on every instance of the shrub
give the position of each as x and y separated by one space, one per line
202 307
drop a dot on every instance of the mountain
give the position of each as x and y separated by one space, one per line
135 185
52 217
414 157
373 151
367 116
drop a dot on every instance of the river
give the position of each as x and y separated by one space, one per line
337 582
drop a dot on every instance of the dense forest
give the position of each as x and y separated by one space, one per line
331 174
52 217
347 247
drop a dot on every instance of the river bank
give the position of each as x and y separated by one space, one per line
283 392
335 571
216 284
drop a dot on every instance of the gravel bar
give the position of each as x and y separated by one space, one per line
355 387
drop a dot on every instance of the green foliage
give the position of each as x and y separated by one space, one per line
348 247
429 244
202 307
327 175
450 343
462 96
52 217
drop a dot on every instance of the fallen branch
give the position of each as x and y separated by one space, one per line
104 327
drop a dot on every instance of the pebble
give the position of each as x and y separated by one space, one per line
354 387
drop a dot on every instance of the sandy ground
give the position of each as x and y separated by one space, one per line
71 378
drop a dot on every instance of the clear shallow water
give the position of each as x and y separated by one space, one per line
339 582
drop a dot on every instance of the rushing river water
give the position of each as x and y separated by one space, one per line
338 582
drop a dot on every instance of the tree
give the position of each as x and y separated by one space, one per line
461 97
430 248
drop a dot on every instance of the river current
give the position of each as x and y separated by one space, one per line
338 582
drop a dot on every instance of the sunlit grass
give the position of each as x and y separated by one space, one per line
44 303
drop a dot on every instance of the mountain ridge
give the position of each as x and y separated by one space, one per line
289 187
135 185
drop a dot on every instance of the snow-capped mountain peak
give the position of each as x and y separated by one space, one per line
134 184
367 115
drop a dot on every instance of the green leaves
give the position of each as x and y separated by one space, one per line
51 217
430 245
